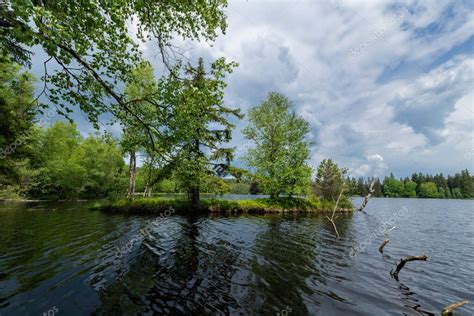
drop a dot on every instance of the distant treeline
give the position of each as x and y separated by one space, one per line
459 186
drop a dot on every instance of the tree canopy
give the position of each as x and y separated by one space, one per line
17 112
96 44
281 151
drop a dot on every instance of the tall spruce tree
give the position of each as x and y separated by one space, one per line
202 126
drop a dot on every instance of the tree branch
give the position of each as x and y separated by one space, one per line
334 211
106 86
450 308
385 242
367 197
402 263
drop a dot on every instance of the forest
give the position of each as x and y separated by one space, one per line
457 186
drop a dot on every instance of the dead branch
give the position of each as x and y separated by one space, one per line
450 308
402 263
334 211
385 242
367 197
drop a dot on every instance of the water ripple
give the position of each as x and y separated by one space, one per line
86 262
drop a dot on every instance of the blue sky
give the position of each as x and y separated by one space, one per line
386 86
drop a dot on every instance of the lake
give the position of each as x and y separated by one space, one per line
65 259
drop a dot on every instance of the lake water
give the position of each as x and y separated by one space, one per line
68 260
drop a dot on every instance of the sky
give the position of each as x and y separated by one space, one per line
387 87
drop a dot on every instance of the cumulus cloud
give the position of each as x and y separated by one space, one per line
388 107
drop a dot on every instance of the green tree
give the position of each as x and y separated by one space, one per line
201 125
237 187
167 186
456 193
134 137
61 172
467 187
70 166
442 193
281 153
156 103
104 165
17 112
377 188
362 187
409 189
329 180
92 43
428 190
392 187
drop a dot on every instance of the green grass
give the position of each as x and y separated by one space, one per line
257 206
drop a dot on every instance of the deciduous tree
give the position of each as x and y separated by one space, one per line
95 48
281 151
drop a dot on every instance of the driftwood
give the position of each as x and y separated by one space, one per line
385 242
450 308
402 263
367 197
334 211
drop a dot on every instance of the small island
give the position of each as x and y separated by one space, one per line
228 207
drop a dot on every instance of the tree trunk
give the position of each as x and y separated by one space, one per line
195 199
145 191
402 263
132 174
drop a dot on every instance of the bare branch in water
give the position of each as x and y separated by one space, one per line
402 263
450 308
334 211
367 197
385 242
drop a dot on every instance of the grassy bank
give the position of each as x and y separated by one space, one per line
257 206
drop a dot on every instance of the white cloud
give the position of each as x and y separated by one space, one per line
352 113
375 157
